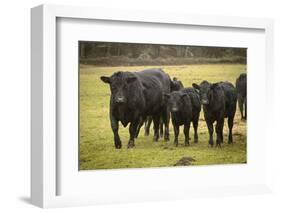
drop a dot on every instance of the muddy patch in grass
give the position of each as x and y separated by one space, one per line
185 161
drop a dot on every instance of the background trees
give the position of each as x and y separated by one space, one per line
129 54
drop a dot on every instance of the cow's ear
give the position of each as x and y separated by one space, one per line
196 86
166 95
105 79
131 79
181 84
213 86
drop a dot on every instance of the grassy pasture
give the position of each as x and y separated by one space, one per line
96 138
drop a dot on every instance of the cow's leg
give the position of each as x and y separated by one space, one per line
176 133
186 133
156 121
161 128
195 127
240 104
166 121
230 125
219 132
133 130
114 127
245 101
211 131
147 125
139 127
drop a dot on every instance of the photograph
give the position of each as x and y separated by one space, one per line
161 105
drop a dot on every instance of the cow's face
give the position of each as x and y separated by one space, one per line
205 90
175 102
119 84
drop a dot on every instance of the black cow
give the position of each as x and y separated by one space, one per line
175 85
134 96
241 87
185 108
219 101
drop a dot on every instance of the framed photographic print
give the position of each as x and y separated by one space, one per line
129 106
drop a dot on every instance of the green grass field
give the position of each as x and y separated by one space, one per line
97 149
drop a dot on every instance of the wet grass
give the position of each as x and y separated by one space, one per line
96 139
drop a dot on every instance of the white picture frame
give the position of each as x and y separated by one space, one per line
44 153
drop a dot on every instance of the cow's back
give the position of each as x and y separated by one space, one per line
152 78
155 84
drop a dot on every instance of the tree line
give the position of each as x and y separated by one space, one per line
109 52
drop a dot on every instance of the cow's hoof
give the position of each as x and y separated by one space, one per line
210 145
130 145
186 143
167 138
119 146
155 139
218 145
195 140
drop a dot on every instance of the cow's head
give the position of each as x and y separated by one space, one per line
175 100
176 84
119 83
206 91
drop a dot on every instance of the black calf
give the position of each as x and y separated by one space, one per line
185 107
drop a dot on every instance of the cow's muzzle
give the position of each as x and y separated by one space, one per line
120 100
205 102
174 109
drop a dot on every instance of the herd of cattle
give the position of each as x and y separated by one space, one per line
151 95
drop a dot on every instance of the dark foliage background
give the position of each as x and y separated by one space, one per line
128 54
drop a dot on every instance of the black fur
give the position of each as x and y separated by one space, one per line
185 107
175 85
219 102
134 96
241 87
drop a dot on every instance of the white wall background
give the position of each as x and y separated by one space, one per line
15 104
